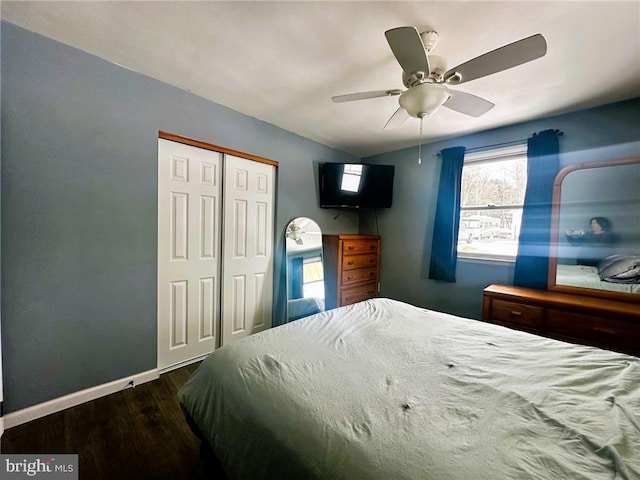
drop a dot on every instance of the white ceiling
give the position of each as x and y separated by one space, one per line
281 62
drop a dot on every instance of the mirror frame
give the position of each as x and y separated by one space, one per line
287 273
555 234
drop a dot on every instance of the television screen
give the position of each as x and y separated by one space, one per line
356 185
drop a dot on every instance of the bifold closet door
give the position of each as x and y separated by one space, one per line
247 293
189 229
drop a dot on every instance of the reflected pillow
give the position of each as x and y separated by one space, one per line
620 269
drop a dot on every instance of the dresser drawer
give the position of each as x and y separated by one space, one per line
356 247
516 313
602 331
350 277
359 261
357 294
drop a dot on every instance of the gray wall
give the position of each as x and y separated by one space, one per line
79 201
608 132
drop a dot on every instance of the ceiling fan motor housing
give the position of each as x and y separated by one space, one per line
424 99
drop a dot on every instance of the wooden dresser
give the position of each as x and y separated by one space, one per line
608 324
351 268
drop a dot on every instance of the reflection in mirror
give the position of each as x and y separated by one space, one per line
596 229
305 278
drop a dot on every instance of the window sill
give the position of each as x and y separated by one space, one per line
480 258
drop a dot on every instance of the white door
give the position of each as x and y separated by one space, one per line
189 198
249 196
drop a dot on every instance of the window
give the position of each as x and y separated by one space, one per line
493 188
313 277
351 178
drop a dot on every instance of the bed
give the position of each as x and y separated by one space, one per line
587 277
386 390
303 307
616 273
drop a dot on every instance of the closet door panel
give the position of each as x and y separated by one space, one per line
249 193
189 236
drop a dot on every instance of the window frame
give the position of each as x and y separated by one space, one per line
512 151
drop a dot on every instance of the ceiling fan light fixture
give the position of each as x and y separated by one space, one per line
422 100
294 232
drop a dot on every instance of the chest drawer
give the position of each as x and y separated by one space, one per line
359 261
605 323
356 247
351 295
598 330
516 313
359 275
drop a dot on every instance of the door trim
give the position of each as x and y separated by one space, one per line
216 148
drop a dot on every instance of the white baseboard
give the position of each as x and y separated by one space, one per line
28 414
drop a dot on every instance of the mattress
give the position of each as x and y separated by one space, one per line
385 390
587 277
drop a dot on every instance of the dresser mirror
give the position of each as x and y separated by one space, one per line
305 277
595 230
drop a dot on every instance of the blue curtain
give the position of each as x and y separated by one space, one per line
532 262
444 246
295 274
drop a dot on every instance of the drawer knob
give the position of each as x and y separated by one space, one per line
350 262
515 313
350 247
349 277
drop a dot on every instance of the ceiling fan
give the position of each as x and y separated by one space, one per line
427 78
296 231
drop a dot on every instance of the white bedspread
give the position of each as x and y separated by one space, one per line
384 390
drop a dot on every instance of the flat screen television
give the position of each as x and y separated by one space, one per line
356 185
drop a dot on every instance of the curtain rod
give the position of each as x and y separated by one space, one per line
490 147
505 144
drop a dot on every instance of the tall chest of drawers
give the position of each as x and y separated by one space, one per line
351 268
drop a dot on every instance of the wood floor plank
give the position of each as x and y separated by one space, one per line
139 433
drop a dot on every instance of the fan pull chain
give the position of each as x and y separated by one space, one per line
420 144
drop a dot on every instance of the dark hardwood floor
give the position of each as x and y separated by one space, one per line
139 433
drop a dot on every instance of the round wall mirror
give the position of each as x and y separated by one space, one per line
305 275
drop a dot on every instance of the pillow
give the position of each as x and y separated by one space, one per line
606 261
620 269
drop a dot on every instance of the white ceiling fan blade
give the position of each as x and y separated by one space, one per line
468 104
350 97
502 58
397 119
407 47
